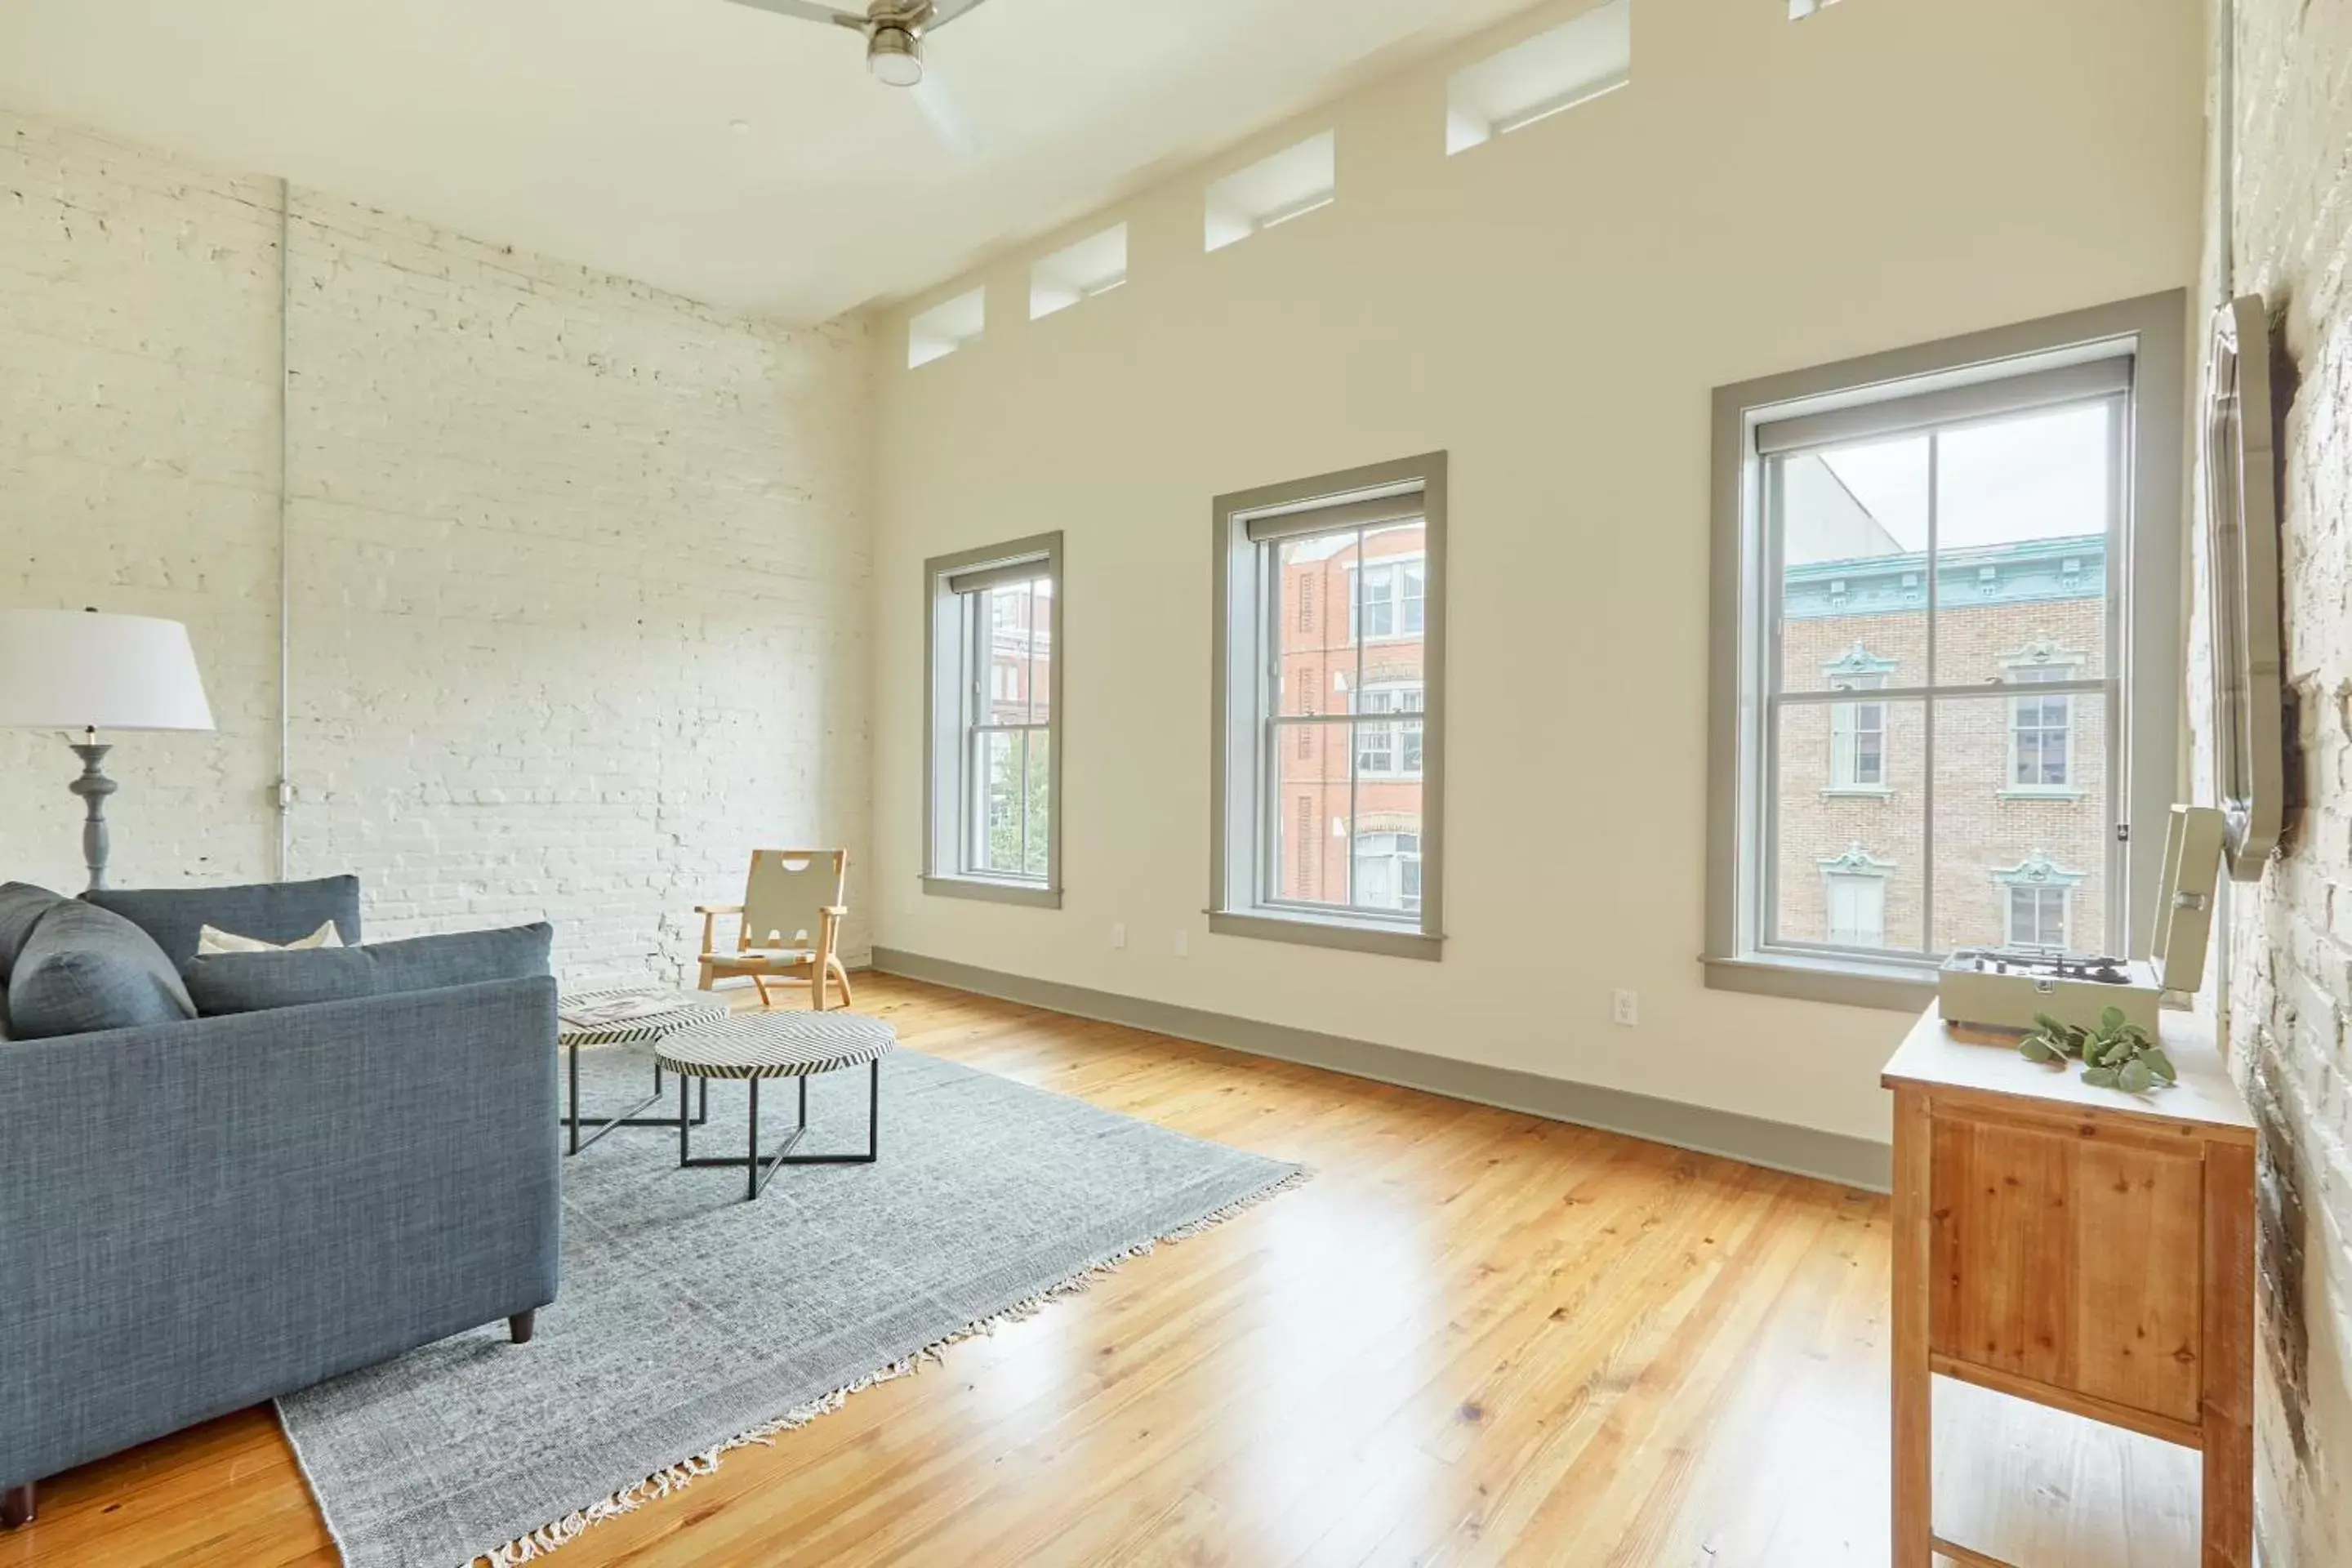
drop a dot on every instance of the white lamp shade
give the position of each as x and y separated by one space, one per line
73 670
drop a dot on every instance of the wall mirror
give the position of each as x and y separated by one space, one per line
2241 531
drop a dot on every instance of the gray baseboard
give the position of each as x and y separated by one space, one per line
1777 1145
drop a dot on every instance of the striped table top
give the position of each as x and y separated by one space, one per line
776 1045
686 1007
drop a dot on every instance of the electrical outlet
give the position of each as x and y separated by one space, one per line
1626 1007
1184 943
1119 934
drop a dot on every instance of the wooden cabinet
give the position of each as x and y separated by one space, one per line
2081 1247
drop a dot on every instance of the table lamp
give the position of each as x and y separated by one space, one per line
63 669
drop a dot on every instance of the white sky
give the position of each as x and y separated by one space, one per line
2040 476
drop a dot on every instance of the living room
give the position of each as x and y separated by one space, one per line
681 553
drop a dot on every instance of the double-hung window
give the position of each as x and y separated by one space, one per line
1939 528
1328 739
993 801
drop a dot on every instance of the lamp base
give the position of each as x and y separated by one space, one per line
93 787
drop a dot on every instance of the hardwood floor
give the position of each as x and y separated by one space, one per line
1475 1337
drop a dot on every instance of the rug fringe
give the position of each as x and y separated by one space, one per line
661 1483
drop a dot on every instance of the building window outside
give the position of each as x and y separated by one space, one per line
2038 896
1936 528
1364 762
1387 871
1857 906
1391 603
2041 724
2037 917
1858 737
993 776
1393 750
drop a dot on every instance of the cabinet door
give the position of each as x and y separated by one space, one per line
2070 1259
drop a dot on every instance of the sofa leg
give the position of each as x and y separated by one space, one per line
16 1506
519 1326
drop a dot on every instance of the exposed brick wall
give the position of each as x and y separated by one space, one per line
2291 979
579 570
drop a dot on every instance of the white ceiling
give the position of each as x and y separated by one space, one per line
598 130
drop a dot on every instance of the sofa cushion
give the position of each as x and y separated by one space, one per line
277 913
21 904
254 982
84 968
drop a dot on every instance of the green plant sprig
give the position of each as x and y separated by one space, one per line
2116 1055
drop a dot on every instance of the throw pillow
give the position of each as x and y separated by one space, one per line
84 969
211 939
273 911
256 982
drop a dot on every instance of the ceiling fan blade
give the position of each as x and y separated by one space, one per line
947 118
807 11
946 11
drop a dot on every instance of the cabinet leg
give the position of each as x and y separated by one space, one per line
1914 1384
2227 1531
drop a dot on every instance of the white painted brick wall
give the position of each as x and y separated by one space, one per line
2291 982
579 570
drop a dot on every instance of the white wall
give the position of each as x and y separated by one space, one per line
1554 308
2291 937
578 568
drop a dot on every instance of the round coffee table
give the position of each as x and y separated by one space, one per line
644 1014
756 1046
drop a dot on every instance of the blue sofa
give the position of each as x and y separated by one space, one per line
200 1212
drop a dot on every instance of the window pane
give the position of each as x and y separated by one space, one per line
1849 809
1007 614
997 775
1315 578
1308 845
2023 507
1040 674
1040 802
2009 858
1396 582
1385 858
1852 523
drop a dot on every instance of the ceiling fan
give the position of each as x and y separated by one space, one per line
894 31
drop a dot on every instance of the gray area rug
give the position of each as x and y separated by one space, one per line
690 1320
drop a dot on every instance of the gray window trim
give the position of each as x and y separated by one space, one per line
1239 524
945 579
2148 585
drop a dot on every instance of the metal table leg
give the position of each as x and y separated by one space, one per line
760 1169
572 1122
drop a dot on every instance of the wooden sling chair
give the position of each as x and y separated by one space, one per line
793 901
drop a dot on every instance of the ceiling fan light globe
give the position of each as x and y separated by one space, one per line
894 57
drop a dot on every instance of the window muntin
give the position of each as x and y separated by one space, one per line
1325 746
991 800
1914 564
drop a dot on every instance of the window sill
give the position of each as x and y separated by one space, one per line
1034 895
2027 792
1389 940
1859 792
1895 988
